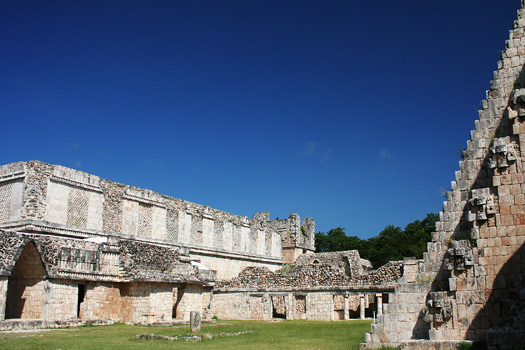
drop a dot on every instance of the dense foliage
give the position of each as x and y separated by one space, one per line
392 243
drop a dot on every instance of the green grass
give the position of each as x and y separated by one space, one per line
289 335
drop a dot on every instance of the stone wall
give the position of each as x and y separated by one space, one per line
322 286
147 302
62 201
102 301
296 238
193 299
241 306
227 267
61 300
348 260
46 277
300 304
27 286
320 306
470 285
315 276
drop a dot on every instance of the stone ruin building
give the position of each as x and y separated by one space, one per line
320 286
471 285
73 245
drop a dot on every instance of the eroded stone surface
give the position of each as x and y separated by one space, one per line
470 285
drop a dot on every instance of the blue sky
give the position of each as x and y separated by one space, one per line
344 111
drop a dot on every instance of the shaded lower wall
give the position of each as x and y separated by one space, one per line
143 302
293 305
192 298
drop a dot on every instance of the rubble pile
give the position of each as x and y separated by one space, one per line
143 262
314 275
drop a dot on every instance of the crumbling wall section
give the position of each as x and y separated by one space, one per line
313 275
294 238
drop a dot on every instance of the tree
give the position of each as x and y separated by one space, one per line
392 243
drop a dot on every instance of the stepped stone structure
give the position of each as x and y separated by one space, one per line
73 245
471 285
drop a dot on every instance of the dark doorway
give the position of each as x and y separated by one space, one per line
278 306
81 295
177 298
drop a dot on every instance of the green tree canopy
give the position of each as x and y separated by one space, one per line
392 243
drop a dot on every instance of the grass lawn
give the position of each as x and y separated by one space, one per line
289 335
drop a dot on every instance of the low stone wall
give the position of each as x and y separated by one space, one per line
302 304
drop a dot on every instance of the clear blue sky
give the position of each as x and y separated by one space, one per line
344 111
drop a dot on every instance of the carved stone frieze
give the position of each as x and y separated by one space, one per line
482 205
438 309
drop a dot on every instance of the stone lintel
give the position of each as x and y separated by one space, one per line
347 289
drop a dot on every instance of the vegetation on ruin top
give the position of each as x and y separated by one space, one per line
268 335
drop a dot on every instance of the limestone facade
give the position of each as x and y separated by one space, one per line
39 197
75 246
471 284
54 278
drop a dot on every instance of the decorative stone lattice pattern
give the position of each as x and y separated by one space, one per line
144 220
172 228
77 208
5 201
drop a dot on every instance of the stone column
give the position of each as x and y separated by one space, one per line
267 307
410 268
195 321
3 296
290 307
362 307
346 316
379 299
